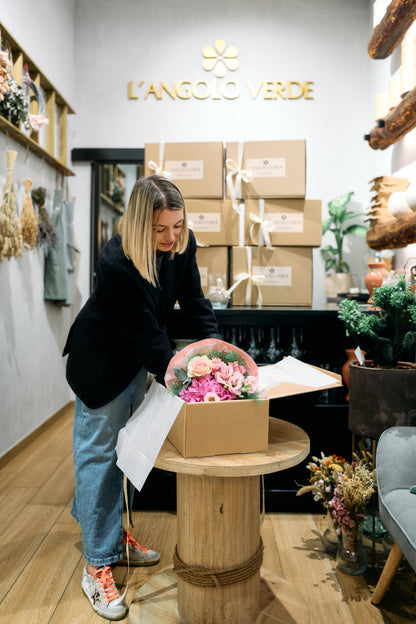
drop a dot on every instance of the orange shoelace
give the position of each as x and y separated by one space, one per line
132 542
104 577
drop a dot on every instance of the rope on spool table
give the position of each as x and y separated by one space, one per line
218 577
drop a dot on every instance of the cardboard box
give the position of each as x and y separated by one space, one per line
227 427
195 168
278 168
204 429
296 222
287 273
214 261
213 221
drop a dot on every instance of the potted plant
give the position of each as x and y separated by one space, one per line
340 279
382 388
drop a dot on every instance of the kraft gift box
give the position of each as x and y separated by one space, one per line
277 168
281 276
213 221
288 222
212 260
226 427
195 168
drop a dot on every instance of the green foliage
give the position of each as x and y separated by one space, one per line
335 223
383 333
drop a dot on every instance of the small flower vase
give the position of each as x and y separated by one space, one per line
374 277
330 538
352 557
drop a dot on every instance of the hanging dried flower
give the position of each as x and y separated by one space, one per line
28 219
46 232
11 241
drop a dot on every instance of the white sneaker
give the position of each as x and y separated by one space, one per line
101 591
138 555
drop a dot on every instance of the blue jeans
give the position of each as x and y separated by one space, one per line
98 499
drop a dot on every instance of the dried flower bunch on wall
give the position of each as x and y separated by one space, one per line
28 219
11 240
46 232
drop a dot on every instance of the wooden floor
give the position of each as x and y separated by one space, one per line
41 559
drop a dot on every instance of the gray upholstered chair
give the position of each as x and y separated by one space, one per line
396 476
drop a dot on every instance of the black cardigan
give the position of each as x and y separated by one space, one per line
122 327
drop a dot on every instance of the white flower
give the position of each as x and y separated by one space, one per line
220 59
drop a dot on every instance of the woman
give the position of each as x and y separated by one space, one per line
117 338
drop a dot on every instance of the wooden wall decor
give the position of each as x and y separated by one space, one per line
387 35
393 235
400 120
56 106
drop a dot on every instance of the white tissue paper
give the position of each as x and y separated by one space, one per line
140 441
293 371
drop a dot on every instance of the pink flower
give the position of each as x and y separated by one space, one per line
211 396
199 366
37 121
251 383
235 382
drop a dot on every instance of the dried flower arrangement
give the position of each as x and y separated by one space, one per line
11 240
344 488
46 232
28 219
324 477
4 73
353 491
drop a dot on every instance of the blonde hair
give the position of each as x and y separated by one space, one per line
150 193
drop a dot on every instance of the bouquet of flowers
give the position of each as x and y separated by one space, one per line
323 480
212 370
353 491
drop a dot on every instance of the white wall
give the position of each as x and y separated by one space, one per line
322 41
98 46
32 331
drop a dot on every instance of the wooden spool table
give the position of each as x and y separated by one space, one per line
218 516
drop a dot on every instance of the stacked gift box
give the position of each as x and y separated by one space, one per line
247 208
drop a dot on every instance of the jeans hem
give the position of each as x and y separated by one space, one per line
104 560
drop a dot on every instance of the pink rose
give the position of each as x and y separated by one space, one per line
199 366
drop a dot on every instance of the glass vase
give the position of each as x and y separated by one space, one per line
352 557
330 538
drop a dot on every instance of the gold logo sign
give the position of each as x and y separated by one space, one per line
218 60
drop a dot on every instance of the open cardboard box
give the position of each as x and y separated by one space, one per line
227 427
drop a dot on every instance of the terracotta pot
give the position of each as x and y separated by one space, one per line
381 398
374 277
345 370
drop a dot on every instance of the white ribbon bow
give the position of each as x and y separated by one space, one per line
257 280
234 187
158 169
265 228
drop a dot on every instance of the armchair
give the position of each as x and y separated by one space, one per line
396 476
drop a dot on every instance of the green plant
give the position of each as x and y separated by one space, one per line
335 223
386 331
15 105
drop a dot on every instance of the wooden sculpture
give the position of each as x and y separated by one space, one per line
387 35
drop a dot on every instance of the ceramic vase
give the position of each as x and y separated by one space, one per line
374 277
352 557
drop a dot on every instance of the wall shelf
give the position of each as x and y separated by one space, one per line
54 102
